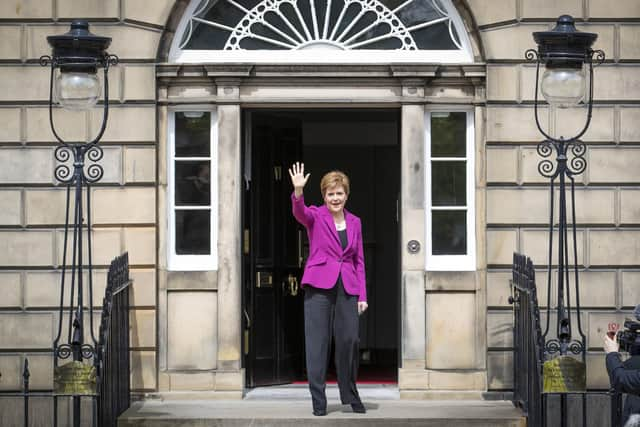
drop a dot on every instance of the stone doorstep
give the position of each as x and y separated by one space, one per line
272 413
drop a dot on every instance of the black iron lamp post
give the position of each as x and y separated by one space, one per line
75 59
568 60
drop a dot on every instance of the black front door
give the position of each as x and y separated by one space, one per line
273 252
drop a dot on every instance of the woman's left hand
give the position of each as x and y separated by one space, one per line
362 306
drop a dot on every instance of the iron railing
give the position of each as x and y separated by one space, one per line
527 341
111 362
529 355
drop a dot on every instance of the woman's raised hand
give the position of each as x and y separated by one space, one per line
298 178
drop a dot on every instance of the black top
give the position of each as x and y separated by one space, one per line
343 242
343 238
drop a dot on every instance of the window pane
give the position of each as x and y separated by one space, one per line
193 134
435 37
193 186
193 232
449 233
448 183
448 134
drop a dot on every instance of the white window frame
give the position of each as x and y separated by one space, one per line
177 262
451 262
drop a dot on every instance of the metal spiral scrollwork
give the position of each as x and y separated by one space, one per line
45 60
578 163
576 347
87 351
110 60
531 54
67 174
599 56
95 171
64 351
552 347
570 167
546 167
63 172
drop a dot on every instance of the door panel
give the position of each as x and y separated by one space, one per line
274 305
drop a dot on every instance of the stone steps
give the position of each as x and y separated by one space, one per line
278 409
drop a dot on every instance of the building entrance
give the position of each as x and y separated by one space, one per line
364 143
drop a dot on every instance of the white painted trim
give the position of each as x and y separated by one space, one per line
177 262
321 56
451 262
180 30
459 25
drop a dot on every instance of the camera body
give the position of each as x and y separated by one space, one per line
629 337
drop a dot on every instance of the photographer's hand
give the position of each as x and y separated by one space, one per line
611 345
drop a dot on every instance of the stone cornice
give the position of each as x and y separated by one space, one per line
191 72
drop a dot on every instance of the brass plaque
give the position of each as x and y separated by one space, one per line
564 374
75 378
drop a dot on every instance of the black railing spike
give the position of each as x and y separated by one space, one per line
25 375
25 386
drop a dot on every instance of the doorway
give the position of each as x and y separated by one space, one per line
364 143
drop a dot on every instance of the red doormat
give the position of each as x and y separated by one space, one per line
367 375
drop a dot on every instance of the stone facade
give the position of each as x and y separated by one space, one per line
517 198
129 211
124 211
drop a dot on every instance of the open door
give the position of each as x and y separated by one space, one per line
273 253
364 143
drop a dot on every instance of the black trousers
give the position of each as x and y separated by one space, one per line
330 312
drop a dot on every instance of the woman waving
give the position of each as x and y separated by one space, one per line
334 284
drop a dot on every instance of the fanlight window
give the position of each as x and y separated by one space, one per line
321 29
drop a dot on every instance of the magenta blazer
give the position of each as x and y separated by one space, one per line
326 257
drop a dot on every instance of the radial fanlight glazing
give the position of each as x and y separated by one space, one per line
323 28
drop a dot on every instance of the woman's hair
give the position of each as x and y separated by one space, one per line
333 178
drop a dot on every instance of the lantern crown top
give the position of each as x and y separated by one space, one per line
564 46
79 42
565 23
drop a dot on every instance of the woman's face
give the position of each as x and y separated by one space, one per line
334 198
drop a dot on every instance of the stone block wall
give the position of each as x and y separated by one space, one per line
517 205
123 202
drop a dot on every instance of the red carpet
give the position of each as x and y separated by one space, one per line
367 375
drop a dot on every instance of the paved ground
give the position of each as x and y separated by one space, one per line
290 406
301 392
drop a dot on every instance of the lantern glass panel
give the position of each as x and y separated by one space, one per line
77 90
563 87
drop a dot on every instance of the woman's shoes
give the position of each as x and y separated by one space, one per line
358 408
320 412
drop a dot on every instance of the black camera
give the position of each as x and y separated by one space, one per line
629 337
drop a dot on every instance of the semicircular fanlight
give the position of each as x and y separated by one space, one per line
321 24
